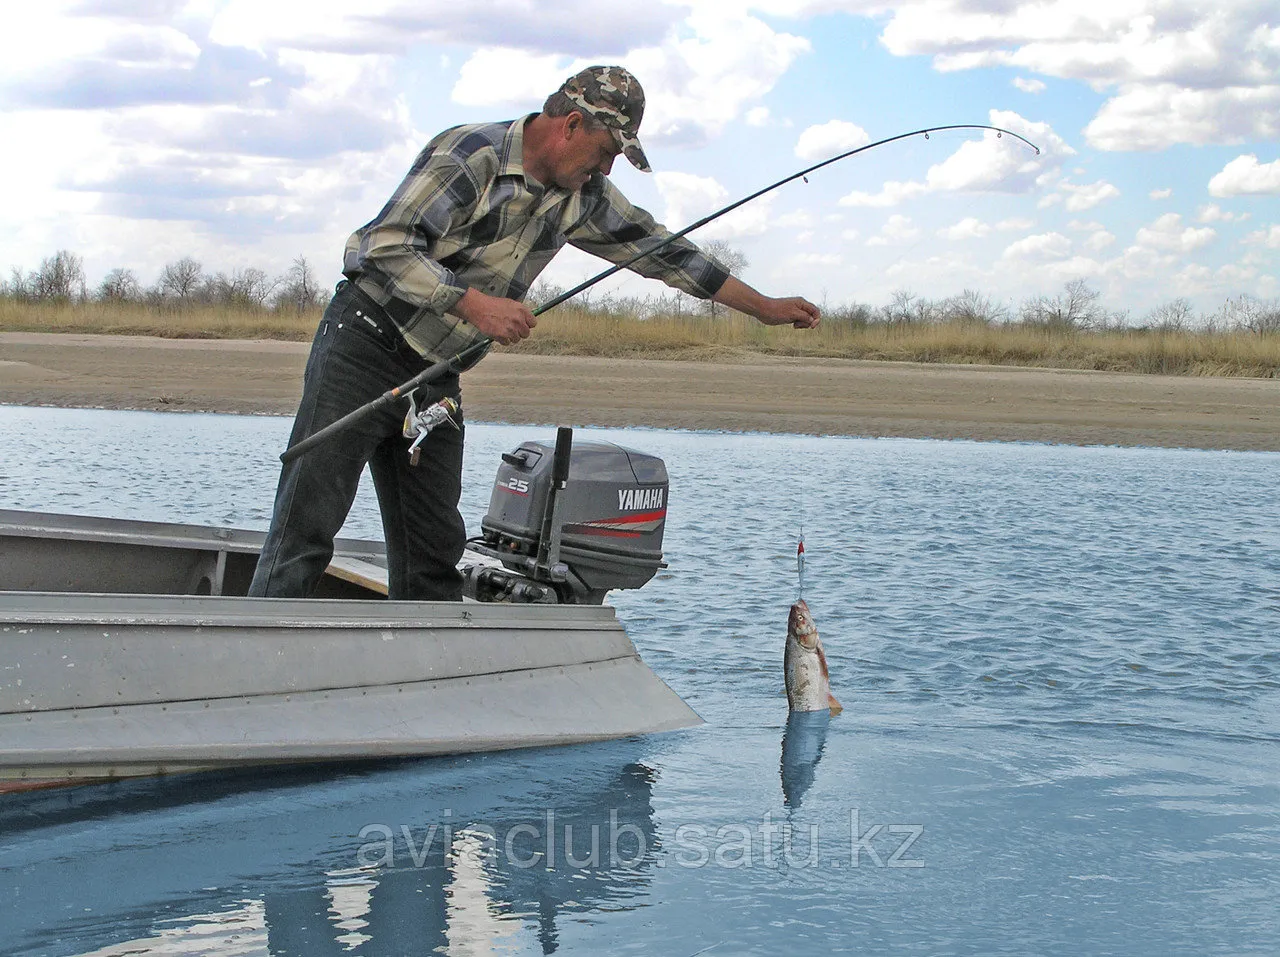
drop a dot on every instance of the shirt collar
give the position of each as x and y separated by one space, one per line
513 149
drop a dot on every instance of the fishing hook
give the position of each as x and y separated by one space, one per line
476 351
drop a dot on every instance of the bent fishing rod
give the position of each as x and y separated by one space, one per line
476 351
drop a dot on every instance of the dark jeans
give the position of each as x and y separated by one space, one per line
356 356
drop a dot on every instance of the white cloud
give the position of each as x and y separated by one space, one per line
1168 233
1179 70
688 198
1160 193
164 144
830 139
990 164
1042 246
1100 240
1159 116
1192 280
800 218
86 44
968 228
1213 213
1235 275
499 76
1055 272
1080 198
1029 86
758 116
891 193
1014 224
896 230
1143 262
1269 237
393 26
815 259
1245 176
994 163
706 73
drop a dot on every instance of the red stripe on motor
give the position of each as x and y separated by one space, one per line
633 519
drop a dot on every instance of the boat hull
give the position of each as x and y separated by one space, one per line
106 685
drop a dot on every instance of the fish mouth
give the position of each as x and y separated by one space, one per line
800 626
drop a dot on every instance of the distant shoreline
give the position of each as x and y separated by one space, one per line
749 393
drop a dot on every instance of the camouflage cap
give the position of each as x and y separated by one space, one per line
614 97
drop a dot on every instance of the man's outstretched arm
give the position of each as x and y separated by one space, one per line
794 310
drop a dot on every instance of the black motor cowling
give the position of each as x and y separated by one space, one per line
576 527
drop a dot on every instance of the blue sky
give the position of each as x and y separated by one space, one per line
247 132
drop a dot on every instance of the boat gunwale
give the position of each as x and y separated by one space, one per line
214 611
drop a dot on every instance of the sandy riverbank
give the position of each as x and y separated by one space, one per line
755 393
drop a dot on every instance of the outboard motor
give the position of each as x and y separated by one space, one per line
568 523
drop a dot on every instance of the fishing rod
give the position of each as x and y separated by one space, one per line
476 351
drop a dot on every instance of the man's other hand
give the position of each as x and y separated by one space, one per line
502 320
794 310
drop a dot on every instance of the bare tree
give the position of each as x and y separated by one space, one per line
120 285
855 314
18 286
180 280
298 288
973 307
732 259
541 293
905 306
1076 307
1251 315
60 276
1172 316
244 288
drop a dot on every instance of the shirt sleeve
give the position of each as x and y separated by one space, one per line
615 230
395 249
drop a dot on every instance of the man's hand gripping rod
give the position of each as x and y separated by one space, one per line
475 352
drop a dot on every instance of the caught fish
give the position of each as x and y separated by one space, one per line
805 666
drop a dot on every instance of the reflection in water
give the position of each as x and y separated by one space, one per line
802 744
449 862
240 932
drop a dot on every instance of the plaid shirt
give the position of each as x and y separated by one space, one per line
466 216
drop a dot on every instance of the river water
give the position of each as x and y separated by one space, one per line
1060 670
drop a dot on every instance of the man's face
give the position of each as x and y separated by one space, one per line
585 152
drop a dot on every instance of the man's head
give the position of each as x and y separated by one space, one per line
607 97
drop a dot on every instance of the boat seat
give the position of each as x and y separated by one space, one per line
359 572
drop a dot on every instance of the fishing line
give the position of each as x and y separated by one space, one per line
476 351
800 564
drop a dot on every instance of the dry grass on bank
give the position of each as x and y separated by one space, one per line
197 321
570 331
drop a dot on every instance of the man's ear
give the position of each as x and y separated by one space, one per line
573 123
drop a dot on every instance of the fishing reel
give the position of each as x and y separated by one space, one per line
419 423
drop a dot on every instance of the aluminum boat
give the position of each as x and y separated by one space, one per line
128 648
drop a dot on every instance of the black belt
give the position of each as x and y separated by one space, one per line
388 313
375 309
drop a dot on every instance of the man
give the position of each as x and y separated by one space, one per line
446 263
